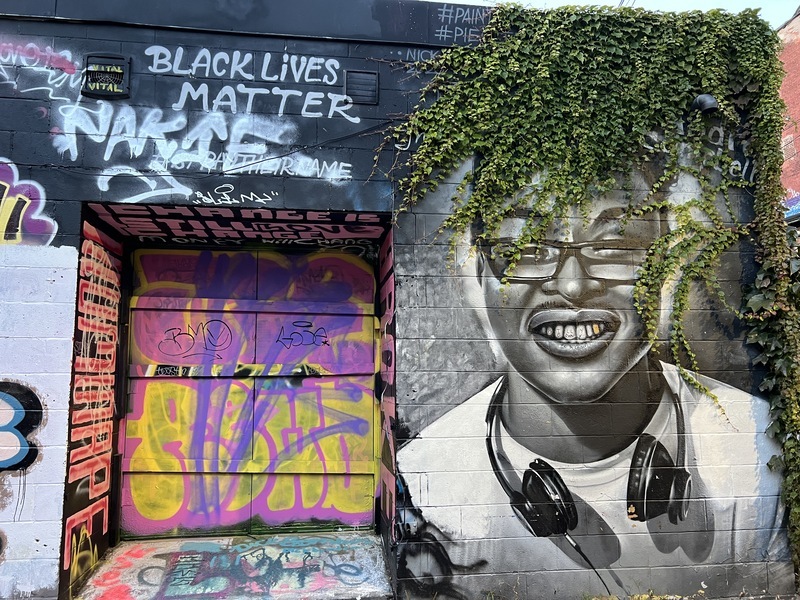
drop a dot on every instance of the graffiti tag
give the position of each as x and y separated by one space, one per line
225 195
304 334
204 340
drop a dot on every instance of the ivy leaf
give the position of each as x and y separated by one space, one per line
774 429
758 302
776 463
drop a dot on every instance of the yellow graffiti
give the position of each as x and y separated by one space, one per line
234 443
309 447
352 494
296 427
84 558
179 433
12 209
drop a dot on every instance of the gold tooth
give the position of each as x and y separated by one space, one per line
595 328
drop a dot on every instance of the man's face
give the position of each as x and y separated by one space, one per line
566 321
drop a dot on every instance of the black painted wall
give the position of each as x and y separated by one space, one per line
261 119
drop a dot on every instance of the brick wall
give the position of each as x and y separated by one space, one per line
790 92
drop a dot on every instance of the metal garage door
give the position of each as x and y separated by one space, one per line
251 401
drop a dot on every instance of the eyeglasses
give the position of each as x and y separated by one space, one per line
602 259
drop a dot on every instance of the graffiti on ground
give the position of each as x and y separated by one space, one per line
237 567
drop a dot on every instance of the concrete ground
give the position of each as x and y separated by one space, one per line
297 566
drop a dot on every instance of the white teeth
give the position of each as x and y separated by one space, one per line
573 333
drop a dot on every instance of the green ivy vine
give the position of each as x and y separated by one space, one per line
555 106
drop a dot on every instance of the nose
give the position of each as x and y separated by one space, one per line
572 282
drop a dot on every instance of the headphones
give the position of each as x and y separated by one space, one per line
544 504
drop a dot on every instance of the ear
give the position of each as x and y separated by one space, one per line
472 278
480 266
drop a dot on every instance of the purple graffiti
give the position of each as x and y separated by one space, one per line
163 339
260 439
252 396
21 209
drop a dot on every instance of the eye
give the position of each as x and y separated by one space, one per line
608 253
541 255
619 254
499 248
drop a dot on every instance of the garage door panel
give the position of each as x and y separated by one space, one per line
314 425
316 343
280 500
251 400
160 503
214 341
324 278
183 504
189 425
195 274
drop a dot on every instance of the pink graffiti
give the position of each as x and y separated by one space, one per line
277 423
113 582
91 432
332 279
192 338
281 426
31 55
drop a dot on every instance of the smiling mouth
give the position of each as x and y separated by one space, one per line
573 333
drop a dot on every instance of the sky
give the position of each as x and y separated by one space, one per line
775 12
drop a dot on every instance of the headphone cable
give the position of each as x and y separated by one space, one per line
491 416
577 548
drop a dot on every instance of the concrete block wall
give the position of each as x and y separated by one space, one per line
459 536
442 348
37 320
490 402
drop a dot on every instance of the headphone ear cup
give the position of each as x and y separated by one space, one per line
530 513
548 500
650 480
679 498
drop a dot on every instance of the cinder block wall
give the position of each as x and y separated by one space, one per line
443 352
459 534
446 351
37 320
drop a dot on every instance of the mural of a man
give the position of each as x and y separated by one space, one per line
582 469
